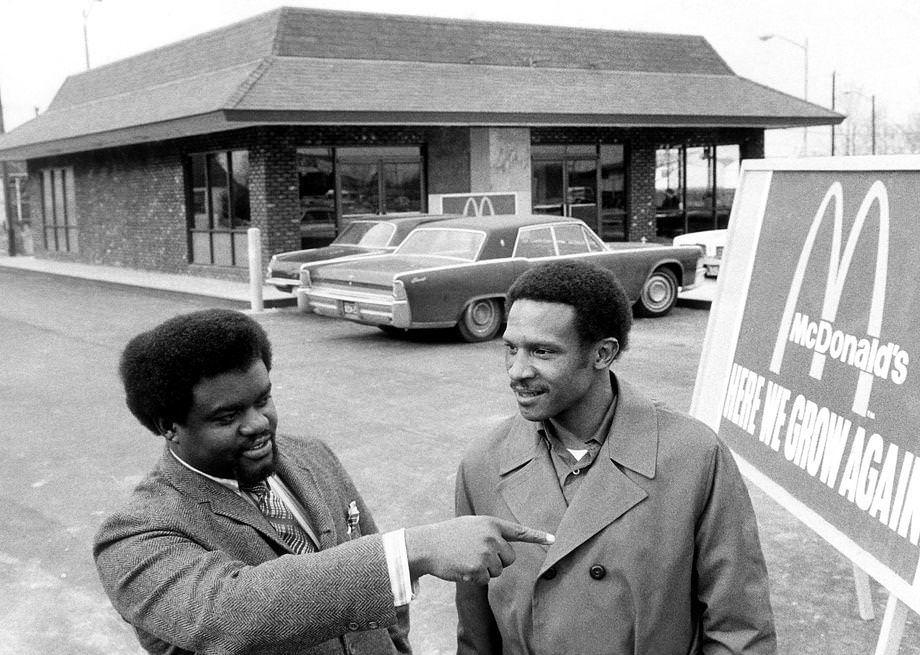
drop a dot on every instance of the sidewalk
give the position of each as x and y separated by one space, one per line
700 296
174 283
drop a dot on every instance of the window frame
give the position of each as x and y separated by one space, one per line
60 227
223 251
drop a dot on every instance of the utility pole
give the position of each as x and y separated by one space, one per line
5 212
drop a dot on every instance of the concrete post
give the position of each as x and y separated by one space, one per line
255 269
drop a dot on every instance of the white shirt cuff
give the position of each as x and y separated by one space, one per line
394 548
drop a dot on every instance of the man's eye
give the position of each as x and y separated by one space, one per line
225 419
542 352
263 401
511 350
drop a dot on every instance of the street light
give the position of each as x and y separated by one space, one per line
86 12
804 47
872 100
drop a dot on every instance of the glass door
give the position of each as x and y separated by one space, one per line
564 182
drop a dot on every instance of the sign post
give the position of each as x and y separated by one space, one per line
809 370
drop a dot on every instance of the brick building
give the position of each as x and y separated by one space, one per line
296 120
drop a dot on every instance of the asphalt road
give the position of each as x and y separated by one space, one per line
399 413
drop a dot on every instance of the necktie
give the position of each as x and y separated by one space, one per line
280 517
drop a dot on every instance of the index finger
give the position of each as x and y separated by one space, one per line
517 532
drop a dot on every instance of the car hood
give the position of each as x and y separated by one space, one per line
329 252
375 271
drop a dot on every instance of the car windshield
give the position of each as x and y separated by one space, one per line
443 242
366 233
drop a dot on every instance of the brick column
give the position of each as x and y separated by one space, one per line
641 187
274 194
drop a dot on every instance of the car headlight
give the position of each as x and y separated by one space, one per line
399 290
305 280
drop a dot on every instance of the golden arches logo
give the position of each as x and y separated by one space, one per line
480 208
837 271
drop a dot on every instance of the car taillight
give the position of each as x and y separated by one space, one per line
305 280
399 290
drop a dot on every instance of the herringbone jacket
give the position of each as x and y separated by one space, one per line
196 568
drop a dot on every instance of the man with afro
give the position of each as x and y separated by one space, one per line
656 545
243 540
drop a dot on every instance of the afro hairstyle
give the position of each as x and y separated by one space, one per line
161 367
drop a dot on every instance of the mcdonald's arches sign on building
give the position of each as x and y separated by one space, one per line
489 203
811 365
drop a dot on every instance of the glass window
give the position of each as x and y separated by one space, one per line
546 187
728 166
535 242
570 240
360 188
218 207
457 244
59 210
613 193
402 188
316 178
367 233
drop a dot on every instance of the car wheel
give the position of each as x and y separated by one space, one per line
481 320
659 294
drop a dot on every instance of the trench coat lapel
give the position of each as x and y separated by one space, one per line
607 492
527 479
218 498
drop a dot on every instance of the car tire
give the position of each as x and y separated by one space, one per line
391 331
481 320
659 294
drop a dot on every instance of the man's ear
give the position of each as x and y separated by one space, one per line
605 351
168 433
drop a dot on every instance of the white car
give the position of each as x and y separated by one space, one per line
713 244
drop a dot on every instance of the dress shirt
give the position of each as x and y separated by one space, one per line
569 470
394 543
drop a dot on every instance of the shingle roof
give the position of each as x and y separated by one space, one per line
312 66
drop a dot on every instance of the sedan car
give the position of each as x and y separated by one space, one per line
365 236
713 244
457 273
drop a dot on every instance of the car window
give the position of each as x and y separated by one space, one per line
354 232
570 240
594 242
458 244
535 242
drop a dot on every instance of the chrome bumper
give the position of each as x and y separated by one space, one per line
367 308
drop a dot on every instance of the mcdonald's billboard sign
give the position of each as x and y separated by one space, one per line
473 204
811 365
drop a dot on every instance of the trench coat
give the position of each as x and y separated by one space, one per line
657 553
194 567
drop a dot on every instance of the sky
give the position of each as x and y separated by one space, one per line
873 46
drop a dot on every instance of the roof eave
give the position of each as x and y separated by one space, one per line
221 121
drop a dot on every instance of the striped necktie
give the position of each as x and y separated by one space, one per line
280 517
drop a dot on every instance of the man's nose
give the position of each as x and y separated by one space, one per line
254 422
519 367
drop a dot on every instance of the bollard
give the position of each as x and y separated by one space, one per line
255 269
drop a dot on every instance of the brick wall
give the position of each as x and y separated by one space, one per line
131 206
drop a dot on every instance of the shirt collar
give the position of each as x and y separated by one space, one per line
233 485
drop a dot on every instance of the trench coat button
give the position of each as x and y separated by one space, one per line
353 626
597 572
550 573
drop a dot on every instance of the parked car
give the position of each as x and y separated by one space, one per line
361 237
456 273
713 244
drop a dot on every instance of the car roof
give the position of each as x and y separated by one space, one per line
503 221
398 220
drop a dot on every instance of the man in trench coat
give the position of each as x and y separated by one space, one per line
656 549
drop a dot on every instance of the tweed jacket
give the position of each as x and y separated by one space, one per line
657 553
196 568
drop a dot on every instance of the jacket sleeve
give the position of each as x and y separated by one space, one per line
163 582
730 575
477 631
